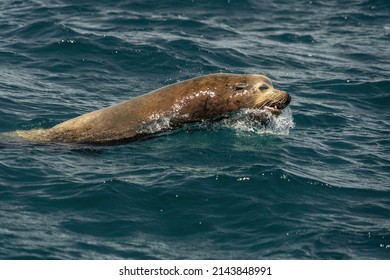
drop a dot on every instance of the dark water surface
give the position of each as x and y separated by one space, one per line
313 186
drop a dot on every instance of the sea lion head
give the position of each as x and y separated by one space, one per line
259 93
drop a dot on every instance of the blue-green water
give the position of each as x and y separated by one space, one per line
316 188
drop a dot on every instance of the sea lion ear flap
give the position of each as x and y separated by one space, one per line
240 86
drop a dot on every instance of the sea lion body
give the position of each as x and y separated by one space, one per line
203 98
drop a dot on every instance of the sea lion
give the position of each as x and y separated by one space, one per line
207 97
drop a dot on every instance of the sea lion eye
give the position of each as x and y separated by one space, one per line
263 87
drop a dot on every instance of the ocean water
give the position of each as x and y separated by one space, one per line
313 185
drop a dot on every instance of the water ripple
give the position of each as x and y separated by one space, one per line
313 184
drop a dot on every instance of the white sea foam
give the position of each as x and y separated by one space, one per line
247 120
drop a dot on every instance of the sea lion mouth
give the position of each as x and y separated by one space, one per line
277 107
274 110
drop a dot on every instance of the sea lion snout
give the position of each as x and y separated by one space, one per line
286 101
283 101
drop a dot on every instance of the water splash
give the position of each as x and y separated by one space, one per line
247 120
156 125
